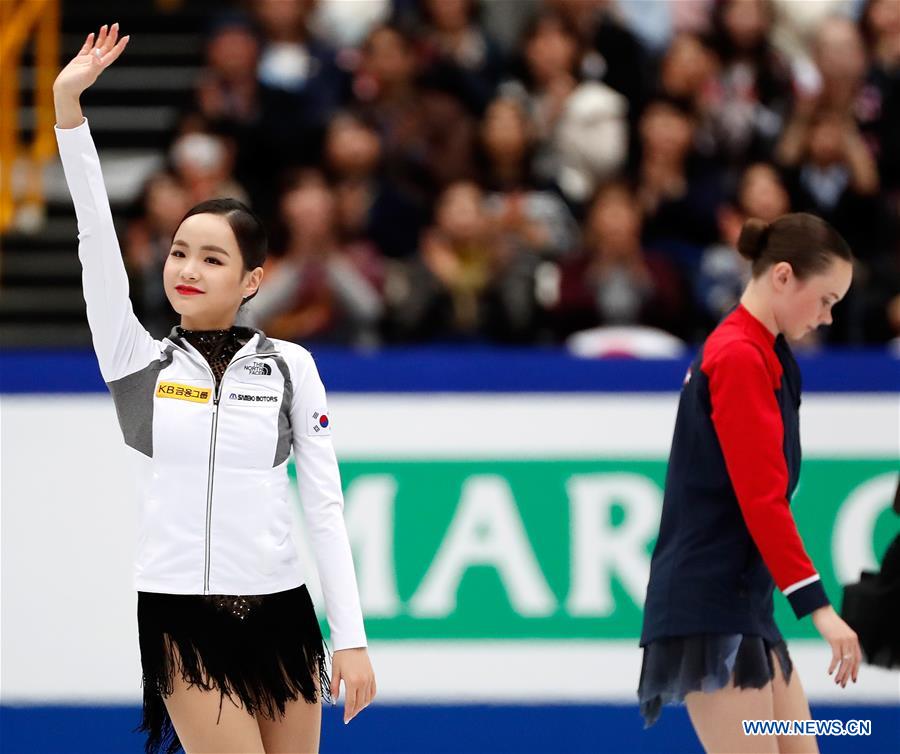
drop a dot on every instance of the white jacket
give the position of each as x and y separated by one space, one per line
215 514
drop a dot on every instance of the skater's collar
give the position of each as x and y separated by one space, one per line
754 325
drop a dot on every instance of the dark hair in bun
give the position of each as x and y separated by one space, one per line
806 242
752 240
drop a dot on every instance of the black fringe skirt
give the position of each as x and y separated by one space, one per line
262 651
675 666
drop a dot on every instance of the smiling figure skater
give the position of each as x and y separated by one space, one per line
232 656
727 537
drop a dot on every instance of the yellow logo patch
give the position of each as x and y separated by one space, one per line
183 392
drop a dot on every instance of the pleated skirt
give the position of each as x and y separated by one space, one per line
675 666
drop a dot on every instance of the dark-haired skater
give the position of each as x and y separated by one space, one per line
232 655
727 537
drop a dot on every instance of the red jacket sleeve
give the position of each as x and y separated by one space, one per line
749 426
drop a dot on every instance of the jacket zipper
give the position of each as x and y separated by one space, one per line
207 541
207 544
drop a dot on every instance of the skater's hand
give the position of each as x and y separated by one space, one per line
353 667
846 653
94 57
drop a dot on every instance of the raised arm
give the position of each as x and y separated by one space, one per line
123 346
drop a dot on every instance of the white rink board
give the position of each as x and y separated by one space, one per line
67 619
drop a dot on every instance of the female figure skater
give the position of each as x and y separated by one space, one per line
231 652
727 537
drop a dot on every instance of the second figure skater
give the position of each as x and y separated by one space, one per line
727 537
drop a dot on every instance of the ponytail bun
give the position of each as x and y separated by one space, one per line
752 241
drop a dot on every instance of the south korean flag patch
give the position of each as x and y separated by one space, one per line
318 423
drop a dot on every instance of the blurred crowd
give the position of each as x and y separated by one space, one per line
515 171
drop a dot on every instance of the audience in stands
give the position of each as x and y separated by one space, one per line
515 170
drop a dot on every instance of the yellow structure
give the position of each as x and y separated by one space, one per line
23 22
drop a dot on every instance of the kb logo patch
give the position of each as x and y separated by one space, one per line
183 392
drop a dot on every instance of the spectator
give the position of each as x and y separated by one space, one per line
369 206
204 165
840 57
319 290
849 84
678 191
532 220
880 98
163 204
688 73
610 52
581 126
755 80
227 97
832 174
301 84
507 142
426 134
723 273
615 280
442 294
454 47
839 136
227 90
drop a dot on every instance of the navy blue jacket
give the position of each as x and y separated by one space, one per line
727 536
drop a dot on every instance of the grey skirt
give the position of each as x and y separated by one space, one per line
675 666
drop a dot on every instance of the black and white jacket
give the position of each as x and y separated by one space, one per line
214 507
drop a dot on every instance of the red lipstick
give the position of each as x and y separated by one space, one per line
187 290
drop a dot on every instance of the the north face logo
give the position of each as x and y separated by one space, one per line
258 367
